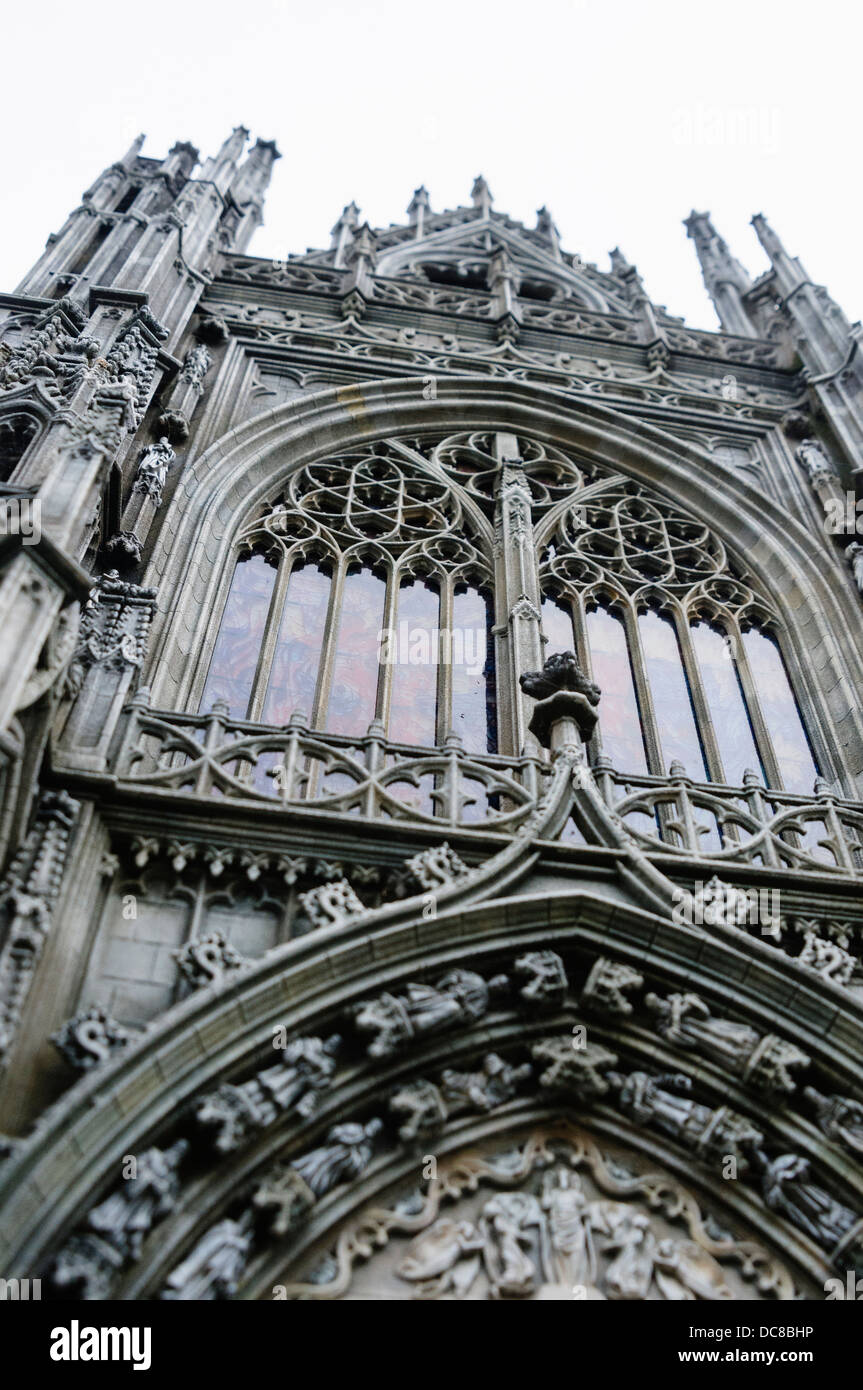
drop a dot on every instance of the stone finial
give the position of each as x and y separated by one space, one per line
419 206
481 196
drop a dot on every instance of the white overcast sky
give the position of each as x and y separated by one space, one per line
620 116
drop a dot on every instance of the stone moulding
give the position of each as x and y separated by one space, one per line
202 1041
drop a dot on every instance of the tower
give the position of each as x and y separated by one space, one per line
432 761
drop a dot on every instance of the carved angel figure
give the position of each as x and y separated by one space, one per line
512 1226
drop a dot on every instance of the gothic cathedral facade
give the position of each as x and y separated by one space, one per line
431 759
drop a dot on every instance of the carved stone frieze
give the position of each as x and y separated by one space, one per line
555 1218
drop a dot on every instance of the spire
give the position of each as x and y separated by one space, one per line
545 226
419 208
481 196
133 151
181 159
220 169
362 248
250 182
789 272
823 339
636 295
724 277
343 231
619 264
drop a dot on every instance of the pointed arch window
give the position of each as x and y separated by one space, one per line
361 595
687 656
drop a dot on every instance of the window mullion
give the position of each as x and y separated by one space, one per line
384 695
328 649
643 695
444 712
703 717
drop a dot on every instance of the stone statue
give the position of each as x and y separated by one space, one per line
787 1190
295 1082
813 458
628 1236
686 1021
304 1069
546 979
483 1090
428 1106
444 1260
840 1118
129 1213
608 984
683 1271
153 468
461 996
854 551
293 1190
345 1155
424 1106
560 672
573 1069
570 1258
215 1266
197 363
511 1225
664 1101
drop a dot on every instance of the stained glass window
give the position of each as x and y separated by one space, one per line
619 720
297 655
779 708
238 646
472 675
413 705
557 628
672 703
725 700
353 694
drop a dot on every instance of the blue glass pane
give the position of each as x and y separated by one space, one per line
473 689
557 627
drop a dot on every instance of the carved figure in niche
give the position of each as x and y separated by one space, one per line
215 1266
459 997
